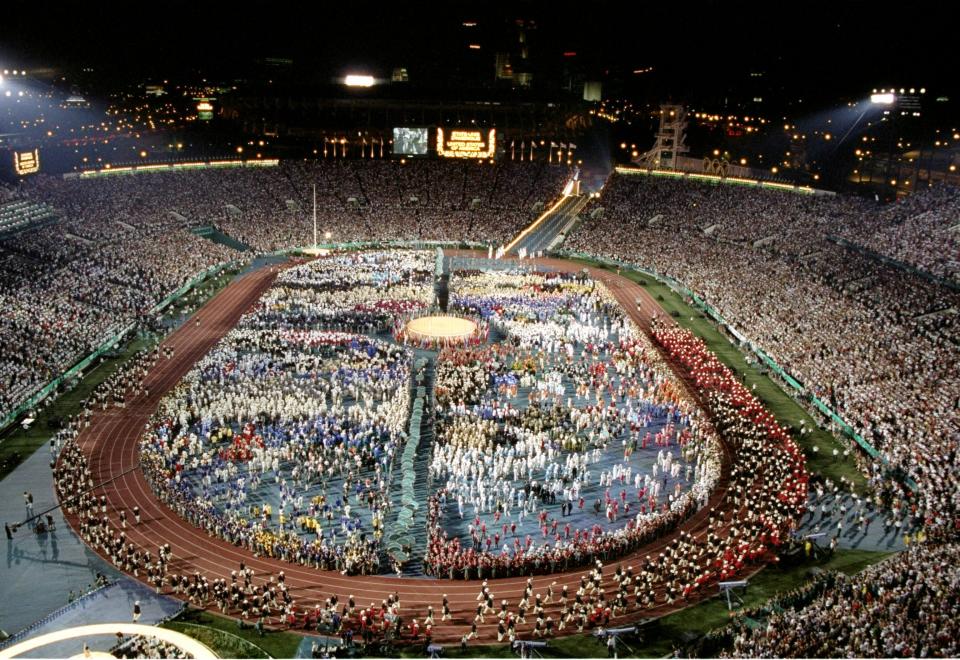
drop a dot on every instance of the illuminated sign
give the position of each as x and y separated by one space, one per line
204 109
26 162
466 144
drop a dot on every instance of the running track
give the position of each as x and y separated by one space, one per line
111 446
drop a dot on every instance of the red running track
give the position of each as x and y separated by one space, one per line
111 444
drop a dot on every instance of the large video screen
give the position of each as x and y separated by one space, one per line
457 143
410 141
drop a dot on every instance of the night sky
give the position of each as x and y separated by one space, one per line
822 49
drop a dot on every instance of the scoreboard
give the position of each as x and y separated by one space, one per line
26 162
457 143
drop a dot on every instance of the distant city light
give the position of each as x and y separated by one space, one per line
354 80
886 98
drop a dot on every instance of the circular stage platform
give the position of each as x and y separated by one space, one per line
441 328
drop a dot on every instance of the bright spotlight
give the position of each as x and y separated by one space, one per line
882 99
358 81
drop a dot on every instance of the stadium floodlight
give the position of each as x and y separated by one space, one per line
883 99
356 80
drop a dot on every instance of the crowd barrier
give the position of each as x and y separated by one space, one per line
794 384
198 279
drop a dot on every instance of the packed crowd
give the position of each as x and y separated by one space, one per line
122 244
389 200
282 438
148 647
570 407
866 337
522 421
920 229
907 606
116 252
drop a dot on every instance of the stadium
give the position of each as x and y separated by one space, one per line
528 341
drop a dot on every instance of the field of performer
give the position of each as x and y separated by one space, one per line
563 433
282 438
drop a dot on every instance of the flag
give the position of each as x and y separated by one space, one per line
553 145
563 146
572 145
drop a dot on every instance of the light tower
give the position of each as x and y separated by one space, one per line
670 139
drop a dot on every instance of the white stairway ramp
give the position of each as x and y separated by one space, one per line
549 229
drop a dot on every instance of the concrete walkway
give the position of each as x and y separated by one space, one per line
41 570
112 604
